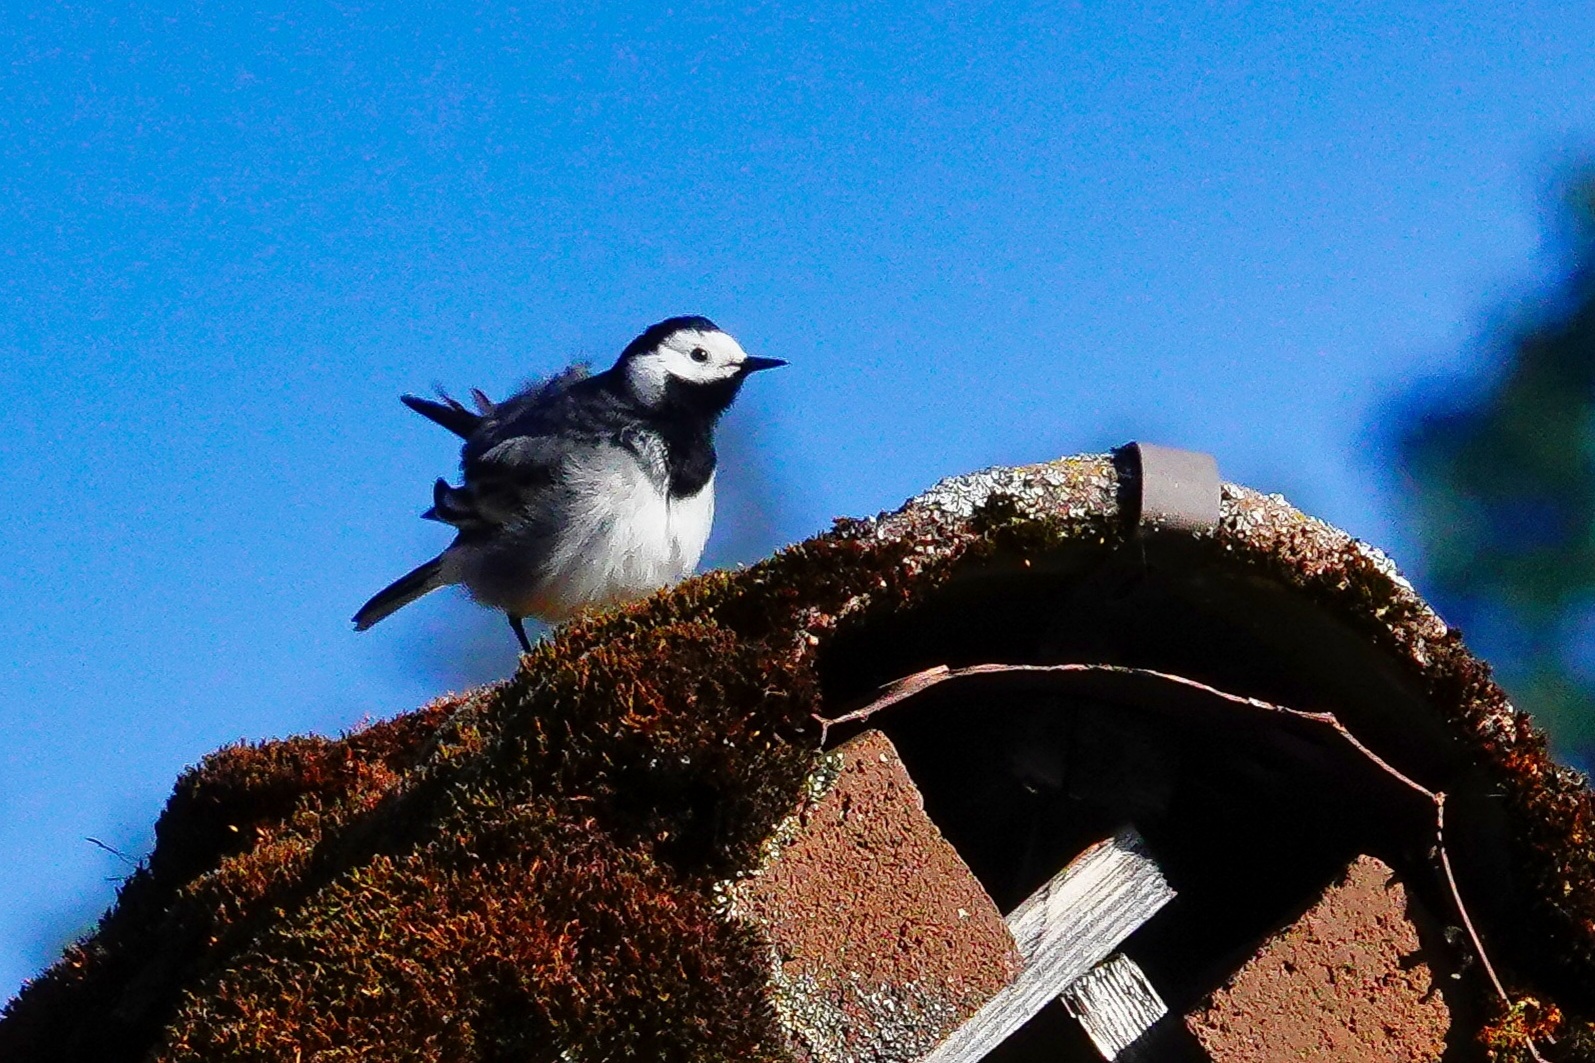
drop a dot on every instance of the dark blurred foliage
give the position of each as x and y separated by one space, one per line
1502 486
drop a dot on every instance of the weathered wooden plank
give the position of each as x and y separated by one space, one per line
1115 1004
1063 930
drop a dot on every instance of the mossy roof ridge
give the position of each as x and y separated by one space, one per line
1551 806
530 870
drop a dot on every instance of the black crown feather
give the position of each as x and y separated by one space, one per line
654 335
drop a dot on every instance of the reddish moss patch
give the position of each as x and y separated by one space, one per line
514 874
236 826
512 957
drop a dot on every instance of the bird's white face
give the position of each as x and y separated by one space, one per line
692 356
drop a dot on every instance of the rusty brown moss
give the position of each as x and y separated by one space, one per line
230 819
525 872
528 871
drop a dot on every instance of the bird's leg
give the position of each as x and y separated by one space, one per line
520 632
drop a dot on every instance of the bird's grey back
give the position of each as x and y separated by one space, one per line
541 408
533 431
551 509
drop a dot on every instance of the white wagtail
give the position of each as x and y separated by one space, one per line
583 490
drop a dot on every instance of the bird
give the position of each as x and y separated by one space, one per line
585 489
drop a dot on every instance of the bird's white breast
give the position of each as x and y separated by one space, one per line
623 537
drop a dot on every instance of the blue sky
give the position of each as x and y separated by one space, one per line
981 233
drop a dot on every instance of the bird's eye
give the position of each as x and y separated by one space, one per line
700 355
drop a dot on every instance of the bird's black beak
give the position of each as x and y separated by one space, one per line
750 364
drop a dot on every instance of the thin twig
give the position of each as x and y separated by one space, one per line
911 685
113 851
1467 920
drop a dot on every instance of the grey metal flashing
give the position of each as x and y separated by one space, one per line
1163 489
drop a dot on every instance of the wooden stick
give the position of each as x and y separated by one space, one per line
1115 1004
1063 930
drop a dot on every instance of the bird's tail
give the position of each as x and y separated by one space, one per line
401 592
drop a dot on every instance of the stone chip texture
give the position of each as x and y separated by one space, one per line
1345 982
881 939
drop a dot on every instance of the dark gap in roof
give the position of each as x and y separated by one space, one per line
1052 1036
1250 813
